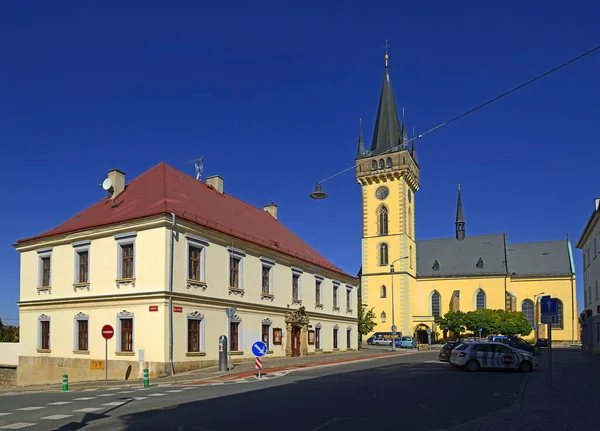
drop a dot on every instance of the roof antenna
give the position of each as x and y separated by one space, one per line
198 167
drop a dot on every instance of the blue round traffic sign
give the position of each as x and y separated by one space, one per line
259 349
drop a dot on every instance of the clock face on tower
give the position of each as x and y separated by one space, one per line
382 192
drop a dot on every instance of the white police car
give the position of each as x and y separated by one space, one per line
476 355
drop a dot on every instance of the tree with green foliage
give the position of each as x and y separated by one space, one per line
453 321
366 319
494 322
8 334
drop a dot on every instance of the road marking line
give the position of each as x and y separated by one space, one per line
4 414
139 398
88 409
189 387
56 417
156 395
60 403
90 390
106 395
16 426
175 391
115 403
126 392
85 398
30 408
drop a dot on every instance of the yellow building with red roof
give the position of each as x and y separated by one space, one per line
169 251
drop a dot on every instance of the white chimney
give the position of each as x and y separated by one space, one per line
597 203
216 181
117 179
271 209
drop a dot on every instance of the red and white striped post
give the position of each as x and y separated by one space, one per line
259 365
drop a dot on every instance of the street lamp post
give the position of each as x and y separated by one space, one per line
535 315
393 316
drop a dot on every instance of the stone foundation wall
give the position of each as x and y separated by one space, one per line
8 376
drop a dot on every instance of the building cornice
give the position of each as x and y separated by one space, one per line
148 297
587 230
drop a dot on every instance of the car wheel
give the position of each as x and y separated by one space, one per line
525 367
472 365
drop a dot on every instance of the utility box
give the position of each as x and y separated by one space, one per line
223 363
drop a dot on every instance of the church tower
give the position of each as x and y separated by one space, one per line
388 174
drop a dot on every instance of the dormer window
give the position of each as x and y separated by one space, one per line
480 263
436 266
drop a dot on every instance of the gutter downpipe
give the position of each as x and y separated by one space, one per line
171 294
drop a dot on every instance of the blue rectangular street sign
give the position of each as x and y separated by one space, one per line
549 305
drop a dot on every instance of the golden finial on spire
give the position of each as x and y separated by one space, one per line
459 187
386 46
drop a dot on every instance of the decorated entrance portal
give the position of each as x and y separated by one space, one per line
296 341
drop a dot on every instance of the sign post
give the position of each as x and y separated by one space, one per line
259 349
230 312
549 308
107 334
479 330
428 330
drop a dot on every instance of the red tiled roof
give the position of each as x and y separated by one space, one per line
164 189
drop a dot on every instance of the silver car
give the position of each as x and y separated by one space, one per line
473 356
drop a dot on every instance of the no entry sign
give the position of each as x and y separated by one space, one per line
107 332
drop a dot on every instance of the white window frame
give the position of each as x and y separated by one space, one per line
44 318
298 272
269 263
80 316
125 239
319 279
237 319
196 315
202 244
269 323
80 247
125 315
238 254
42 254
349 295
336 285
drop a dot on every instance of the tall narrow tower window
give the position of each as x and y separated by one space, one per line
381 164
383 292
410 223
388 162
383 220
383 254
435 305
373 165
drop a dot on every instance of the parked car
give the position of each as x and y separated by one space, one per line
446 351
516 342
541 342
492 354
383 338
408 342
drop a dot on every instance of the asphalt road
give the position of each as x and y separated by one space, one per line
413 391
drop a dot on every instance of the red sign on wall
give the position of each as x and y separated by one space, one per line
153 308
177 309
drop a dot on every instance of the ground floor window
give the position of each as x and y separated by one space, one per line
45 334
234 336
193 335
265 334
82 335
348 338
126 335
317 338
335 338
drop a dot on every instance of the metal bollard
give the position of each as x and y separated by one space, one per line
146 379
65 383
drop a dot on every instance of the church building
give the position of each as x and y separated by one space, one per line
428 278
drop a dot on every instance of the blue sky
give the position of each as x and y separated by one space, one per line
270 93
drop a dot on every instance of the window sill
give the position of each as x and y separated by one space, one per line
267 296
269 352
318 350
125 281
336 350
296 302
45 289
318 305
194 354
195 284
336 308
81 352
236 353
349 310
236 291
125 353
81 286
44 350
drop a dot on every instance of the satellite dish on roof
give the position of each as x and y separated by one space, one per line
107 184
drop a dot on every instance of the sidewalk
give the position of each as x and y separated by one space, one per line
212 374
571 402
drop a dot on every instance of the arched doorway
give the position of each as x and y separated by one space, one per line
421 333
297 332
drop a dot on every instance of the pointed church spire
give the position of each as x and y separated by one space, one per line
414 148
361 142
460 219
387 134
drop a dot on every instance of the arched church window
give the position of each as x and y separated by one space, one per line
383 220
383 292
381 164
435 305
383 317
373 165
527 310
388 162
559 323
480 301
383 254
